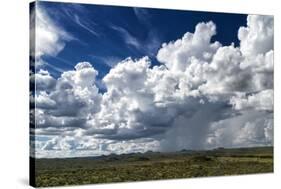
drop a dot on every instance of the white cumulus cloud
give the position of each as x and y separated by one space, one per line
203 95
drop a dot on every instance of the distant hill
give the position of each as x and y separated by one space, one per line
216 151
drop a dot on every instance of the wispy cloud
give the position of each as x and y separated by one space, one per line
64 61
55 68
128 38
110 61
143 16
85 25
50 38
153 42
148 46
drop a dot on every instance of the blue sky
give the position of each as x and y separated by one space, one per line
113 79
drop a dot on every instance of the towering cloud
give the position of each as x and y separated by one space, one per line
179 54
73 99
257 37
203 95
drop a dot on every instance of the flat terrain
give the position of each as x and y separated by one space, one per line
152 166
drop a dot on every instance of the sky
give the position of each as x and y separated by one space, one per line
112 79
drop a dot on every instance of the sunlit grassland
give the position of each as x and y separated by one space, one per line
153 166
